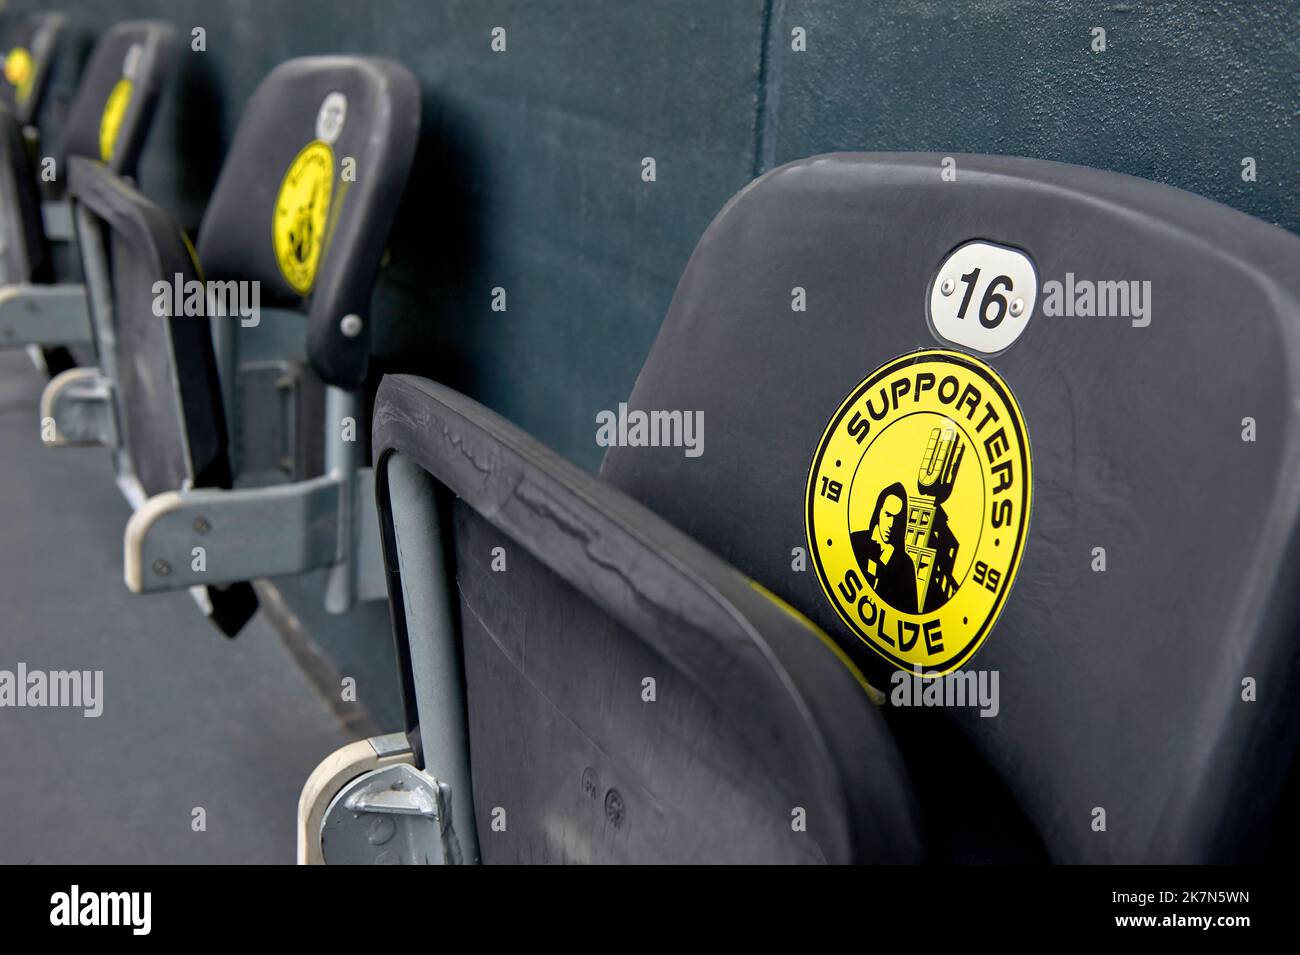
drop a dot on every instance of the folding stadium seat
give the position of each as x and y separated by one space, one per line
299 219
30 53
110 117
945 446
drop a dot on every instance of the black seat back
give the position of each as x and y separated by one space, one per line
1121 690
28 56
160 356
165 372
110 117
304 204
118 94
170 447
25 254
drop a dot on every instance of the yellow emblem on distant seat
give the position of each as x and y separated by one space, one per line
301 217
20 70
111 120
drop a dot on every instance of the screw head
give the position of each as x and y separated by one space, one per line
380 830
1017 307
162 568
201 525
351 325
615 811
947 287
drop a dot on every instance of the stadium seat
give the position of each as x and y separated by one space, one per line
29 54
117 97
955 428
298 220
31 51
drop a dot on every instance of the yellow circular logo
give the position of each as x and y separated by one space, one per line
302 214
19 71
111 119
918 507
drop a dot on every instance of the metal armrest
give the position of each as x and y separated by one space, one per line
768 670
44 315
213 537
77 410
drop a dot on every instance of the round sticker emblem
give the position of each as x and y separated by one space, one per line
918 507
110 122
20 71
302 213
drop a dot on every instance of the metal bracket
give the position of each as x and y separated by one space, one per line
268 442
395 815
77 410
213 537
56 214
334 772
44 315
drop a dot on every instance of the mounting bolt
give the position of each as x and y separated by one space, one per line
351 325
947 287
380 830
1017 307
201 525
162 568
615 811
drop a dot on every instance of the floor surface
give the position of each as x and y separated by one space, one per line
190 719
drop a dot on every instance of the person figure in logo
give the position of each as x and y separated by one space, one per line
881 554
300 236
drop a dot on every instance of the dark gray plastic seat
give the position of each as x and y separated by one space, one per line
35 43
129 67
1124 690
1120 690
169 400
118 92
760 744
167 387
32 46
25 256
379 134
108 122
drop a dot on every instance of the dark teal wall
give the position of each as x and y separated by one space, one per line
529 171
1183 91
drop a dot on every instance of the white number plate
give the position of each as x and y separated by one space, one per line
983 296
